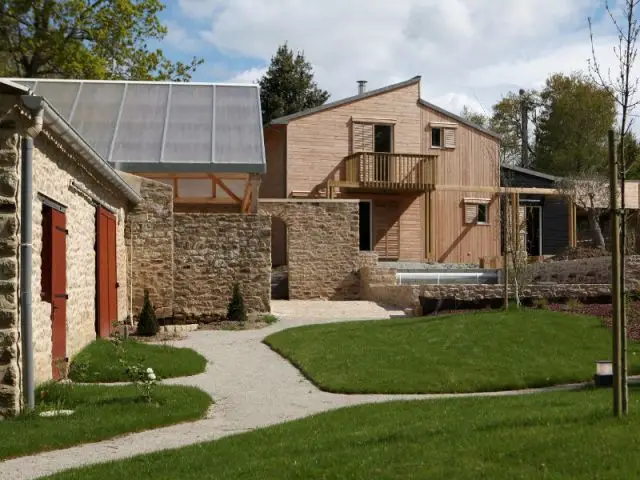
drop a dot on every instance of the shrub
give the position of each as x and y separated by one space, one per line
574 304
540 303
147 323
269 319
236 311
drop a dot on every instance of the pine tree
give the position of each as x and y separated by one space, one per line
236 312
147 323
288 87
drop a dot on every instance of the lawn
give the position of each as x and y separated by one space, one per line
567 435
474 352
101 412
98 362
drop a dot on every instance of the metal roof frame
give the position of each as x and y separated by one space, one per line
242 150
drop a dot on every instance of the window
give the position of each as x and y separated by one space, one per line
383 138
436 137
483 213
443 135
476 211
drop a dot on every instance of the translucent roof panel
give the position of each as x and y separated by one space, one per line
163 126
189 133
96 113
141 124
238 126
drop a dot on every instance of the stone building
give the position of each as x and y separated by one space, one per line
77 277
125 186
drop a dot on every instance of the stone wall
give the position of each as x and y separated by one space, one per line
10 377
149 234
54 168
408 296
211 252
585 271
323 246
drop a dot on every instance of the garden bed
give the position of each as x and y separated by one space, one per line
605 312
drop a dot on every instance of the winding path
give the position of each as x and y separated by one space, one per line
252 387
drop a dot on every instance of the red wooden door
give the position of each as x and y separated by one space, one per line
106 273
58 289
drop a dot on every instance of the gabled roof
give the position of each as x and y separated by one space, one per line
53 121
458 118
310 111
533 173
163 126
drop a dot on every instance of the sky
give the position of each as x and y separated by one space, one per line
468 52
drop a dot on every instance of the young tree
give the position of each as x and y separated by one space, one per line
590 192
479 119
94 39
624 86
571 134
288 87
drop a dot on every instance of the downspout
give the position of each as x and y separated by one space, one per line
35 105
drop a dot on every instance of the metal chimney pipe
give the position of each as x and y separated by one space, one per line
362 86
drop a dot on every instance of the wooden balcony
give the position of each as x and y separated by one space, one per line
387 171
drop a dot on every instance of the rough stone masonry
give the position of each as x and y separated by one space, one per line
9 241
322 246
211 253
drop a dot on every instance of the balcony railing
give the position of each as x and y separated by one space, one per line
394 171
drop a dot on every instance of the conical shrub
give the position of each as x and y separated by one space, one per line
147 323
236 312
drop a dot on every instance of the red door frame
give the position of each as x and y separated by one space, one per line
58 289
106 272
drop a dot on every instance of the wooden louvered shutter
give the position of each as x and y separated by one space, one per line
362 137
386 220
470 212
449 137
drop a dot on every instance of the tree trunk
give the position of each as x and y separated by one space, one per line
596 231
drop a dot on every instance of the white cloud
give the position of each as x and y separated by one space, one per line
178 38
248 76
467 51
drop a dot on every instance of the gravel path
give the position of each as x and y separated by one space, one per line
252 387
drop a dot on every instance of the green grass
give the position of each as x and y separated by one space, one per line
98 362
101 412
568 435
463 353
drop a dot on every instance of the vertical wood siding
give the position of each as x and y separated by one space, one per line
315 146
474 162
273 182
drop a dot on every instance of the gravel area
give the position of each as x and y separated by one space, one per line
252 387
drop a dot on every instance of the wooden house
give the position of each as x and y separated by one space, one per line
427 179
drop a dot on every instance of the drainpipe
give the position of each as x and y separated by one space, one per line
36 106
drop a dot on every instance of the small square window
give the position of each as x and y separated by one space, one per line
436 137
483 213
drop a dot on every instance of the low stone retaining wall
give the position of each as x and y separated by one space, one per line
179 328
409 297
585 271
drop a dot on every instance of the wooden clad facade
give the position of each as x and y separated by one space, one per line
411 219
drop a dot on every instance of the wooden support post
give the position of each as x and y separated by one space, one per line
505 240
254 181
618 379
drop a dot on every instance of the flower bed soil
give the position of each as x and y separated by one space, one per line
605 312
